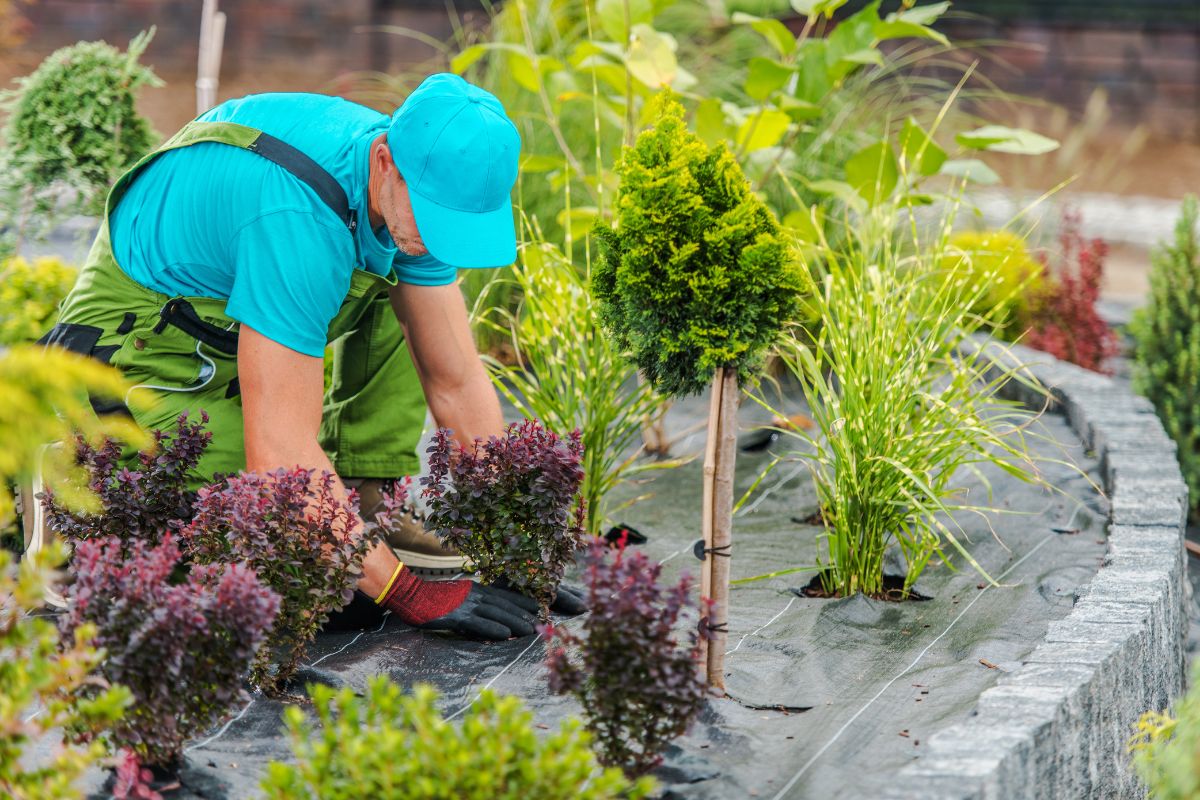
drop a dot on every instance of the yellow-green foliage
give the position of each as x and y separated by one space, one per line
38 678
1167 331
1000 261
1166 748
30 292
390 745
45 401
696 274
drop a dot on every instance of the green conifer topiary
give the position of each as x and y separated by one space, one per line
696 274
1167 333
73 123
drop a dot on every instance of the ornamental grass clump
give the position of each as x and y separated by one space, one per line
511 505
904 404
1167 335
568 374
388 745
1166 747
40 676
301 540
632 669
140 504
181 643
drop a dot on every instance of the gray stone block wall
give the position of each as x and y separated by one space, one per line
1057 727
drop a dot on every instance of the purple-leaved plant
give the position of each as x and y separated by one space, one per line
299 537
136 504
510 504
181 646
639 684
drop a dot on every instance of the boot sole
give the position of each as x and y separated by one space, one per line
425 564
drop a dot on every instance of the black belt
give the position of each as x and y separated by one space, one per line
179 312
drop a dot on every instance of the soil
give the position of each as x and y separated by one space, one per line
893 591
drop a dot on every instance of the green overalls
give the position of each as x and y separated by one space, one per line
184 349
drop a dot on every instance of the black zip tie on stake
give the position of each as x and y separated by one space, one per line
699 550
720 627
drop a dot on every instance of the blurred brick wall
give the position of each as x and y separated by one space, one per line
1151 73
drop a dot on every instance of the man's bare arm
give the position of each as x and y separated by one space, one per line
457 387
281 406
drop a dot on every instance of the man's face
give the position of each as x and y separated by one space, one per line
398 216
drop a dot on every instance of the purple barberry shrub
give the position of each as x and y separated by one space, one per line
632 669
510 504
299 537
182 645
136 504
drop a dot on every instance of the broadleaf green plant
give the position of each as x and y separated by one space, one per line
903 404
39 675
389 745
569 375
72 124
696 274
1167 336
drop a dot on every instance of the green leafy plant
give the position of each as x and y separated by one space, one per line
633 673
902 405
1167 336
510 504
73 123
30 292
569 375
181 646
39 678
301 540
696 275
1165 745
391 746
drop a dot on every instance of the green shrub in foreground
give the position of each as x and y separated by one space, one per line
1167 332
38 677
389 745
30 292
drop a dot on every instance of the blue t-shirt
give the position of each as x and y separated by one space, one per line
215 220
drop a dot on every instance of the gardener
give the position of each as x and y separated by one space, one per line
276 224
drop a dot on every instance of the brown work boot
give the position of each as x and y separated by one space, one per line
420 550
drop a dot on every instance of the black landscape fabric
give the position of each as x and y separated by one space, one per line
875 679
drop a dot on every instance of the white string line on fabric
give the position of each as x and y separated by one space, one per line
225 727
759 630
900 675
536 639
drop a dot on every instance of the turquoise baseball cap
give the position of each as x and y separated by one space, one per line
457 150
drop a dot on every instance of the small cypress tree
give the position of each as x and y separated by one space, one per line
1167 335
696 282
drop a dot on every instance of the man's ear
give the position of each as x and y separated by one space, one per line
382 155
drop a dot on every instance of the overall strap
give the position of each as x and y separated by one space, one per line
277 151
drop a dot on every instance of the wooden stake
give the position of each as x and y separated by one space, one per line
208 66
706 511
718 562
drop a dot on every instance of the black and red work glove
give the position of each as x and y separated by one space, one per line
568 600
462 607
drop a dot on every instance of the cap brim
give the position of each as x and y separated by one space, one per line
464 239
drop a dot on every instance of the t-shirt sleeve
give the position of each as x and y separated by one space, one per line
292 272
423 270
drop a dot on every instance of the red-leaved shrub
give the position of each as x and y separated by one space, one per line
510 504
301 540
181 644
1063 318
638 683
136 504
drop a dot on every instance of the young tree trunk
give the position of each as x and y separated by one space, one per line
717 521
